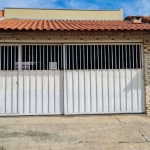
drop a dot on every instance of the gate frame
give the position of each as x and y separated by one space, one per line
109 43
19 44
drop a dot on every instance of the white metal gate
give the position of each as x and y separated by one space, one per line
31 79
71 79
103 78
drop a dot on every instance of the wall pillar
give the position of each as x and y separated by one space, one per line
147 74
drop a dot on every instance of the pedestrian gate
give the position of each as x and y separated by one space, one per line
57 79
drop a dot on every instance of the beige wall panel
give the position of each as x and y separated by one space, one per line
64 14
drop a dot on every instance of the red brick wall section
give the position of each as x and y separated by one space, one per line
1 13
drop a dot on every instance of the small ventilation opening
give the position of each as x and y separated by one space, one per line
136 19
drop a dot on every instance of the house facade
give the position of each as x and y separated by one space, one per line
53 67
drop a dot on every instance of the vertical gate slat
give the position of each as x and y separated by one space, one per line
130 51
14 92
140 98
8 92
90 50
87 91
137 76
70 93
62 93
30 81
33 92
105 83
51 92
45 92
2 91
65 79
108 76
120 100
39 90
20 92
26 92
126 66
123 91
117 91
111 91
99 91
134 90
48 56
93 91
134 81
105 91
81 91
57 92
76 94
140 81
2 87
128 90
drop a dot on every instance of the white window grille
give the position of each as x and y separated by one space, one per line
77 57
85 57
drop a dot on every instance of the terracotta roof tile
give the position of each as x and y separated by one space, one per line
82 25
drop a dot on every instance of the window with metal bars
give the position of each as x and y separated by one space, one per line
79 57
8 57
42 57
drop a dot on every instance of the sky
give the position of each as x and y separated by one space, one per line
131 7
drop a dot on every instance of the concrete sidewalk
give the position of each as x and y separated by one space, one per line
115 132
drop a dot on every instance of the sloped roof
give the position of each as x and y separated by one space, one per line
70 25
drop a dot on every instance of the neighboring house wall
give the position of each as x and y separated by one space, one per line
1 13
64 14
94 37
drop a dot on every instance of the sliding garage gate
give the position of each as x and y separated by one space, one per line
105 78
71 79
31 79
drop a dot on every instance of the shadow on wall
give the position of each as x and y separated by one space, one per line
135 83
